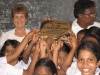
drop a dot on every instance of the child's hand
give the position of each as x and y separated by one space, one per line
49 42
35 37
37 49
42 44
72 40
42 48
30 34
56 45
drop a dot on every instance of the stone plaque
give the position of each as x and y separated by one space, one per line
54 29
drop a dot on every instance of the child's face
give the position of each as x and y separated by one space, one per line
41 70
9 50
61 57
87 62
79 37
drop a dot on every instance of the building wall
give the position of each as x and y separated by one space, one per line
38 10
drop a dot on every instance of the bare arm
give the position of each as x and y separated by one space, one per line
30 69
42 48
49 42
21 46
56 46
29 48
73 43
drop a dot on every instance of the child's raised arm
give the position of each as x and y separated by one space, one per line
73 42
29 48
56 46
21 46
49 42
35 58
42 48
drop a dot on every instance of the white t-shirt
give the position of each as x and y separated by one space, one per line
6 69
3 60
10 35
22 65
76 28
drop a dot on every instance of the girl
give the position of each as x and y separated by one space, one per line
88 56
6 69
45 66
10 44
62 54
57 46
8 48
81 34
90 37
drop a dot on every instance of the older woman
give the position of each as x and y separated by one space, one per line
19 18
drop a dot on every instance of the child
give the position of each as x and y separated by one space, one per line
71 67
8 48
6 69
29 51
62 54
58 45
45 66
95 30
90 37
81 34
88 56
73 42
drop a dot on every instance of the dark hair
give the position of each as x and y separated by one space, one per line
65 48
19 8
92 29
13 43
81 5
47 63
83 31
95 30
91 46
90 35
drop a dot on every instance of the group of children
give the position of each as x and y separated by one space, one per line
79 55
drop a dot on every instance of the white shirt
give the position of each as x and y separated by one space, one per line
76 28
6 69
10 35
22 65
3 60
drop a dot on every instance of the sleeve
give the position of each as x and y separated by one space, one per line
6 69
73 71
3 60
11 70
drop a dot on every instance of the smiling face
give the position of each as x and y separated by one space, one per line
19 20
87 62
42 70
